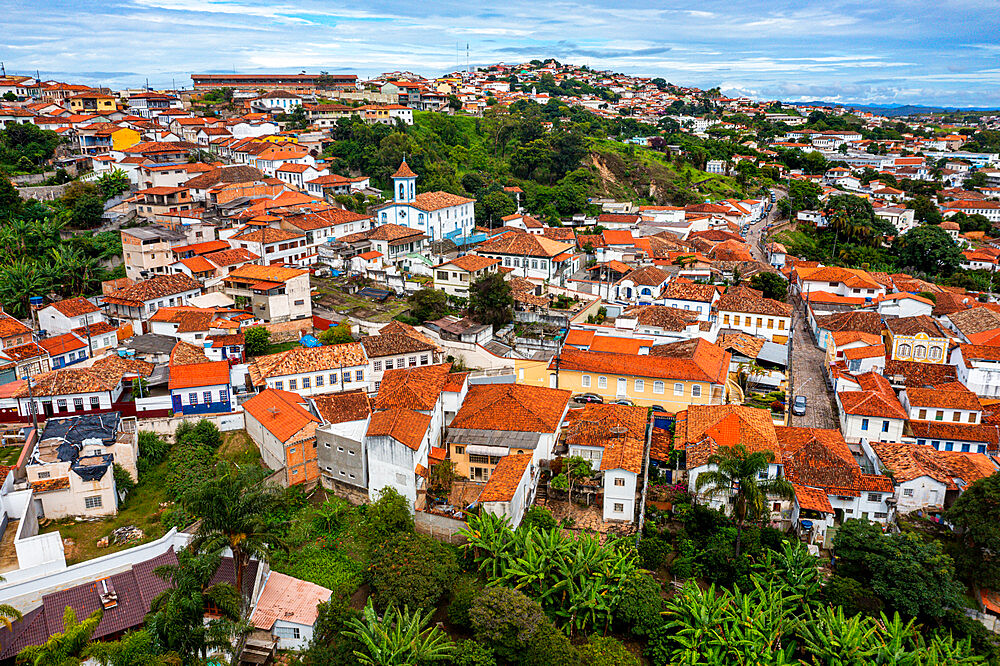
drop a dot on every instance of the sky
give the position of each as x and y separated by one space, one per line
934 52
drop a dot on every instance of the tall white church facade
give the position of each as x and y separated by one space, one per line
437 214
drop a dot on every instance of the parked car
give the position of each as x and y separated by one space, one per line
659 408
587 398
623 401
799 405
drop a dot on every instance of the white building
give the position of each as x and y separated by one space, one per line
438 214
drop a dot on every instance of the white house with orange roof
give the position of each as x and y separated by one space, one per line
297 175
288 608
440 215
454 277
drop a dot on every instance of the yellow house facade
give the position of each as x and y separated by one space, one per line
92 103
916 339
691 372
123 138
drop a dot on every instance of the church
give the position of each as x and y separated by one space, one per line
437 214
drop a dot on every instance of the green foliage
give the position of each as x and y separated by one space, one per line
123 481
256 340
771 284
494 206
113 183
472 653
336 335
428 304
847 593
136 648
398 638
387 516
538 518
153 450
640 605
463 591
490 300
69 648
654 551
975 514
411 570
910 575
579 581
606 651
928 248
26 147
507 620
321 565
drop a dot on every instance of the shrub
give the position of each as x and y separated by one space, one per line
153 449
550 647
640 605
387 516
606 651
411 570
850 595
463 593
207 434
256 340
654 552
471 653
188 466
539 518
506 620
123 481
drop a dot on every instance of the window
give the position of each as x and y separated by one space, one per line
696 391
61 404
640 385
874 497
359 375
585 381
293 384
92 502
880 514
192 398
760 322
388 364
678 389
423 359
770 323
459 450
972 417
956 416
658 387
619 482
885 426
377 366
904 350
919 351
908 492
781 324
935 353
44 475
762 474
347 377
287 632
207 397
400 479
922 414
619 507
413 361
319 380
736 319
333 378
725 319
279 385
939 415
864 424
602 382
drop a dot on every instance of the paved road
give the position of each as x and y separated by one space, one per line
757 228
808 379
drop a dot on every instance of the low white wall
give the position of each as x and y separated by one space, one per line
168 424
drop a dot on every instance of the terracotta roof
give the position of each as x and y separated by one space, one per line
62 344
432 201
124 366
523 244
66 381
938 398
513 407
616 345
470 262
959 432
299 360
851 277
914 325
662 316
405 329
404 171
869 351
391 344
266 235
975 320
820 458
10 327
979 353
862 322
185 353
385 232
49 485
747 345
288 599
915 373
232 256
911 461
619 429
413 388
343 406
690 291
406 426
812 499
281 414
149 290
322 219
842 338
75 307
744 299
648 276
25 351
705 428
505 478
213 373
256 273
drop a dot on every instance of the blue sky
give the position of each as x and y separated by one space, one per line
880 51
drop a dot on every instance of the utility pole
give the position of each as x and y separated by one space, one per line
32 407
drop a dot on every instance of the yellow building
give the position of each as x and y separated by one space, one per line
124 137
92 102
673 376
918 338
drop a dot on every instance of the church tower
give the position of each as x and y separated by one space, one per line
404 184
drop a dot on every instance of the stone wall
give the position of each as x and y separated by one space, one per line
346 491
289 331
440 527
42 192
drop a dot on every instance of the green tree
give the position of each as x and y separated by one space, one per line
176 619
490 300
234 507
411 570
928 248
976 514
607 651
494 206
398 638
70 648
576 469
112 183
8 614
736 473
336 335
772 285
136 648
256 340
924 210
428 304
912 576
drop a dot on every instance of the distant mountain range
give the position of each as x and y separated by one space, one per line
895 109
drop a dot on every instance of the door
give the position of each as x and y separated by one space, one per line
622 387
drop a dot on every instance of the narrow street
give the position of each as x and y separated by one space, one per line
808 361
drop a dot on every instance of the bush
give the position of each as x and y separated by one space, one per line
654 552
471 653
539 518
606 651
463 593
153 450
123 482
207 434
387 516
411 570
256 340
550 647
189 465
506 620
640 606
851 596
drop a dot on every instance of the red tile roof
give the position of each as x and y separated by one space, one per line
213 373
513 407
505 478
406 426
75 307
62 344
282 415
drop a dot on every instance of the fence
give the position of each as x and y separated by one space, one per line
42 192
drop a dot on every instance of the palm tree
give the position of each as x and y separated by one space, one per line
176 619
69 648
398 638
8 614
737 473
233 508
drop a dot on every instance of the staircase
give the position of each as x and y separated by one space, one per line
542 495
